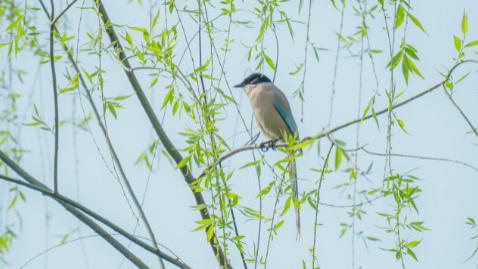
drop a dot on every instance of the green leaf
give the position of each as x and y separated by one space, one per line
338 156
464 23
204 66
395 60
458 43
286 206
472 43
412 254
128 39
111 108
414 68
210 232
67 89
316 53
401 123
155 19
405 69
365 111
64 239
13 202
266 190
168 98
184 161
462 78
122 97
470 221
400 16
260 35
371 238
413 244
270 62
417 22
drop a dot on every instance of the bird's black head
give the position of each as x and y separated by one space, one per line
253 79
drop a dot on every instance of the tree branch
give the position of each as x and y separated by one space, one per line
168 145
75 208
322 177
106 135
473 128
344 125
55 98
38 186
422 158
63 12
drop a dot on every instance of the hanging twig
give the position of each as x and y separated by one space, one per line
322 176
473 128
422 158
109 143
168 145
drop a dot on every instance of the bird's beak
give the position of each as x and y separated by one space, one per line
240 85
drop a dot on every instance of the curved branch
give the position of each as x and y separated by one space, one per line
81 238
473 128
422 158
38 186
311 139
316 216
78 209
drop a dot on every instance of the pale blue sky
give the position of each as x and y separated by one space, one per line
435 129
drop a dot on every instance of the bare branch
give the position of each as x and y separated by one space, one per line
76 209
422 158
55 98
473 128
38 186
53 23
322 176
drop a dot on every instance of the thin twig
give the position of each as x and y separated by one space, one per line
322 176
273 218
423 158
76 209
357 130
168 145
304 74
368 201
70 206
114 155
336 65
55 98
473 128
81 238
63 12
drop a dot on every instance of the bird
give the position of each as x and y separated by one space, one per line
274 118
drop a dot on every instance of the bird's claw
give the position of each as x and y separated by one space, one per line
265 146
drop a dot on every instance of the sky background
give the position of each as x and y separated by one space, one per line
434 128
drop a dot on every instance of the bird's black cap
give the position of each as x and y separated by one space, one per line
252 79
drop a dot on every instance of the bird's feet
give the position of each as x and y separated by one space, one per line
271 144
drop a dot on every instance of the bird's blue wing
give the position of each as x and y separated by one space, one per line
285 115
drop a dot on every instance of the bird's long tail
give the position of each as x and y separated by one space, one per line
292 167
